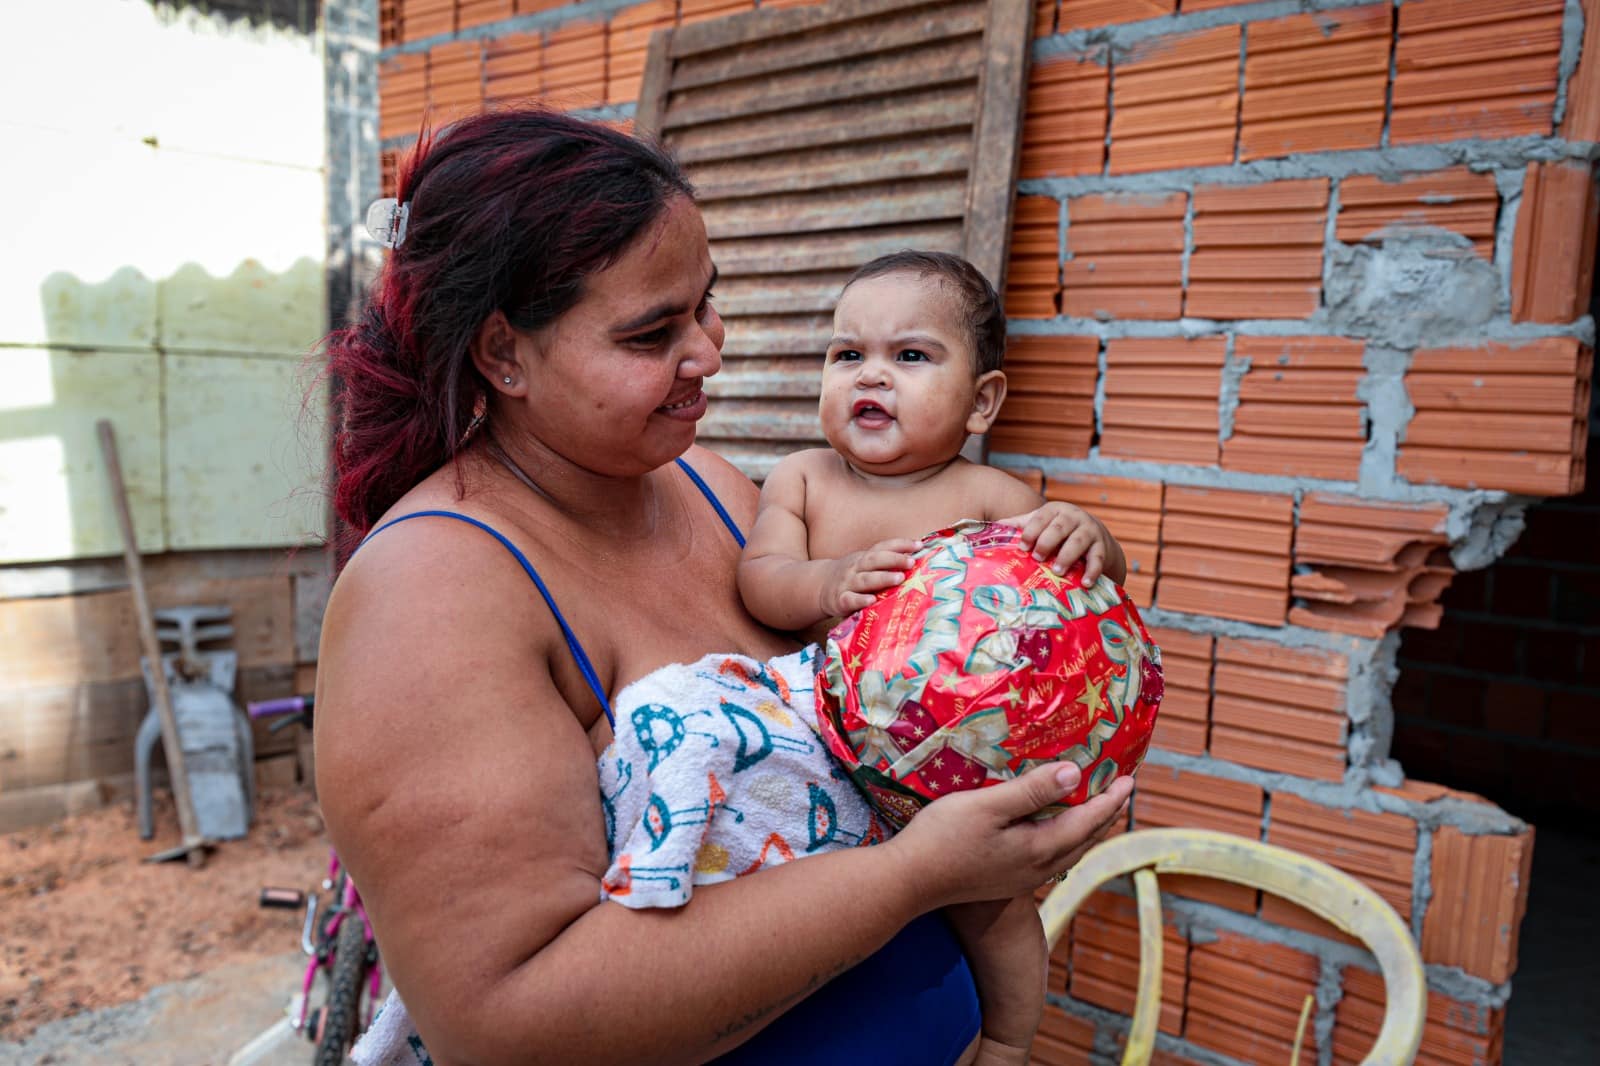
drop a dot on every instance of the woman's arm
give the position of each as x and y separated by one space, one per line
462 794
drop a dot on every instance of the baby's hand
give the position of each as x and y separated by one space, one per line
855 579
1068 533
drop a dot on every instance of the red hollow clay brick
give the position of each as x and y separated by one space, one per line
1049 408
1044 17
1257 250
1105 959
1552 259
1376 848
1245 997
692 11
1217 520
1175 100
1494 449
1161 399
1315 82
1480 893
1371 208
1086 14
479 12
1487 68
1454 1032
1033 274
1582 121
1062 1040
1298 411
1064 125
1124 256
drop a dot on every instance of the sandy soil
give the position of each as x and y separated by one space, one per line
89 924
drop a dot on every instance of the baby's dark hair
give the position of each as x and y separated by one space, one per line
985 319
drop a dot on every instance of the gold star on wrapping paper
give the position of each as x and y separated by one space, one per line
918 731
1013 695
938 762
917 584
1093 697
855 662
1058 581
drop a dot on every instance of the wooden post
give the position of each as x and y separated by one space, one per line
194 844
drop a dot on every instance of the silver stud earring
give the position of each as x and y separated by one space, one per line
506 379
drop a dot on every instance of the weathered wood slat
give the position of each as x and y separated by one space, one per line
814 170
992 184
857 122
948 62
768 419
770 335
717 34
757 458
841 250
901 202
779 294
921 26
795 378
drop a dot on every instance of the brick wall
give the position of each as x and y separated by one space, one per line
1311 288
1297 299
1504 697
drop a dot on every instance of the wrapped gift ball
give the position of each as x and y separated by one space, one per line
980 665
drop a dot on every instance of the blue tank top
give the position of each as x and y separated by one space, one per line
911 1003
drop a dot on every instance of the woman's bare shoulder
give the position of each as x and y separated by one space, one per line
736 491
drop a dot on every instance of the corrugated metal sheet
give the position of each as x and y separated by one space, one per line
819 138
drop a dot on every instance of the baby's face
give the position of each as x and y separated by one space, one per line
900 379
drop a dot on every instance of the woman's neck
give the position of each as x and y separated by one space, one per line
623 508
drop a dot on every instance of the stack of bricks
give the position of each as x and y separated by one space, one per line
1298 305
1331 272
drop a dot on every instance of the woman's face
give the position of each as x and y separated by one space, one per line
614 385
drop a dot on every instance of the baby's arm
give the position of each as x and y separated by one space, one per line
781 584
1053 528
1004 945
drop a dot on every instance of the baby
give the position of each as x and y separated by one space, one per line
912 370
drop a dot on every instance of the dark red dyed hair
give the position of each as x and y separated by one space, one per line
510 210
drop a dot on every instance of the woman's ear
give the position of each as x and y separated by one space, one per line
987 396
494 354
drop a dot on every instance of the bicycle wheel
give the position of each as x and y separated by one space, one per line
340 1014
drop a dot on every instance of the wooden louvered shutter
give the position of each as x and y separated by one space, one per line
818 138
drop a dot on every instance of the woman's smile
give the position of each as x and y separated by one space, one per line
690 408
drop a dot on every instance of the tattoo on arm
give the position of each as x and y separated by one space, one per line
762 1013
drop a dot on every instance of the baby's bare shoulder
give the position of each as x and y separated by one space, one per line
989 492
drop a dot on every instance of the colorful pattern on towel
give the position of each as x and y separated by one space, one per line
717 771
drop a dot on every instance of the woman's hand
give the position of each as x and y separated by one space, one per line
1068 533
982 844
853 581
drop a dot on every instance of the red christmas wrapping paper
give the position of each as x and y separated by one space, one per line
980 665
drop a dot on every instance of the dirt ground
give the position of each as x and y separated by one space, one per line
88 924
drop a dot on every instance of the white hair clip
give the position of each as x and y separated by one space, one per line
386 221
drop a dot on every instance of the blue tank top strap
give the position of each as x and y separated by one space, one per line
578 654
722 512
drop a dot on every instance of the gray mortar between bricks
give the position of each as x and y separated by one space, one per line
1328 993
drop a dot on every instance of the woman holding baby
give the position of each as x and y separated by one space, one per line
519 405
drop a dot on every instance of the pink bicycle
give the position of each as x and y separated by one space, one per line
337 936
